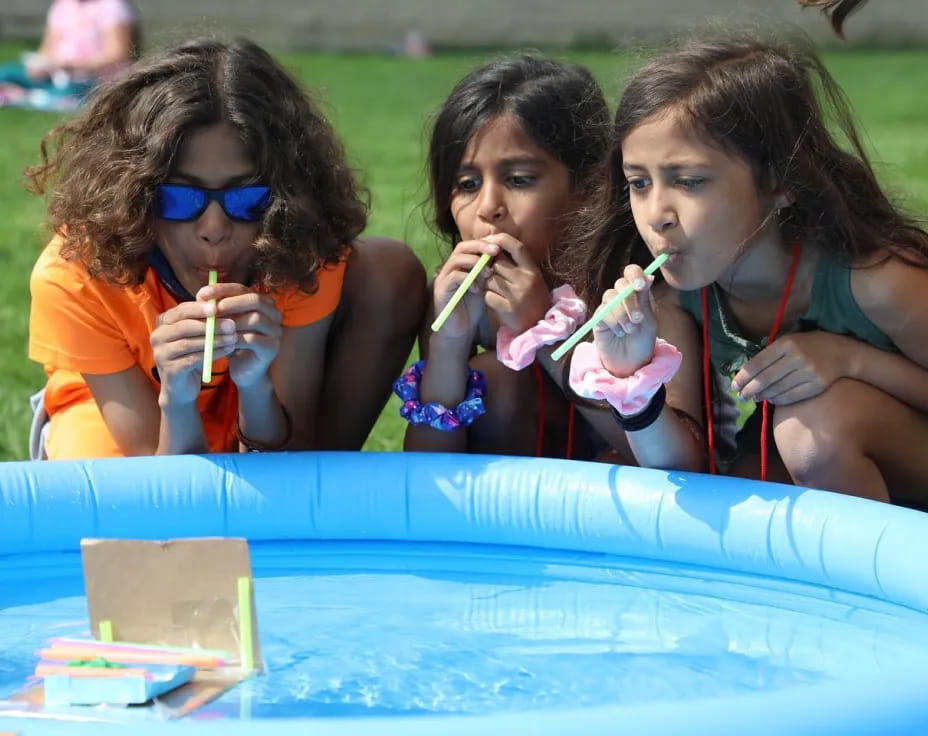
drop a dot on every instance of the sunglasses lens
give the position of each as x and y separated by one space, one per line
246 203
180 203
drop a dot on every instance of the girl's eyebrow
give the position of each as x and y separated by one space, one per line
506 163
672 168
197 181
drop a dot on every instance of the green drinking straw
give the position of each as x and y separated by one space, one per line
462 289
210 336
604 310
246 640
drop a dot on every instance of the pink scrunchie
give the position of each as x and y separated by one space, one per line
629 395
566 312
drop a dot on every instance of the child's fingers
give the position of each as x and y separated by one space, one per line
763 384
171 332
175 350
616 319
459 265
258 322
476 248
264 346
186 311
249 302
221 291
519 254
755 367
795 393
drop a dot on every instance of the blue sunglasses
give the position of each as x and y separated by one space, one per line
182 203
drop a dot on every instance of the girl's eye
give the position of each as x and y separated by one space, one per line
638 184
467 184
690 182
522 180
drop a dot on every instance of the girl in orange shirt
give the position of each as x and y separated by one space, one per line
210 157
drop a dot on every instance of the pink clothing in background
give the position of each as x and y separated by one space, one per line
78 29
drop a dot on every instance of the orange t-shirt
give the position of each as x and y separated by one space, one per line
80 324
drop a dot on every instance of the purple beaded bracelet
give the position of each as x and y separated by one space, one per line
434 414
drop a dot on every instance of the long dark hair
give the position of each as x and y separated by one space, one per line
768 103
104 164
560 107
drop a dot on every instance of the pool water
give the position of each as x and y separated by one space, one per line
354 630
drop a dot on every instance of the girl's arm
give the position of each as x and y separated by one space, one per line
129 406
447 351
675 439
295 381
798 366
445 381
672 441
894 295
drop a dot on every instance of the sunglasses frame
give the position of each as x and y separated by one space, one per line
219 195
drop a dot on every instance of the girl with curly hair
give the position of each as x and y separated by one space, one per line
210 157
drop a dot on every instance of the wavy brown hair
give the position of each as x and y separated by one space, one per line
770 104
103 166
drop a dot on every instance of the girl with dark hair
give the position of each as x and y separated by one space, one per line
210 157
792 281
512 151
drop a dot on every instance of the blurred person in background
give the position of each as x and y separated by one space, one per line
85 42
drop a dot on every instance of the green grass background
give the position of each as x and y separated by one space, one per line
381 106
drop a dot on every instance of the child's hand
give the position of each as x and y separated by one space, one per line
178 341
795 367
257 329
462 322
516 288
625 338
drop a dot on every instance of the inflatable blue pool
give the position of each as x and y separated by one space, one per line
424 594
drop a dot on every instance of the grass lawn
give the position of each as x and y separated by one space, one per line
381 106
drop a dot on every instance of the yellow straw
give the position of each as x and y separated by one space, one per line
459 294
210 336
244 624
604 310
106 631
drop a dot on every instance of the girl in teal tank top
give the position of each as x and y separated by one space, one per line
792 282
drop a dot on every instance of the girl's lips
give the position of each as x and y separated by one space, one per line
223 276
672 257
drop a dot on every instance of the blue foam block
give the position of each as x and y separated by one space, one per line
129 690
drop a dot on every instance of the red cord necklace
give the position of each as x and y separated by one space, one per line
706 365
540 431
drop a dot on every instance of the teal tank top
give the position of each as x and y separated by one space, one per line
832 308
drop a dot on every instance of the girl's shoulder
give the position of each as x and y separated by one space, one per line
300 307
53 267
884 281
56 275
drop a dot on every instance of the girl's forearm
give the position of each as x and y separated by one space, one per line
444 380
669 443
181 431
261 417
893 373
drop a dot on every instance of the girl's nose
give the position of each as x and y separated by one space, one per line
492 205
661 214
213 225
